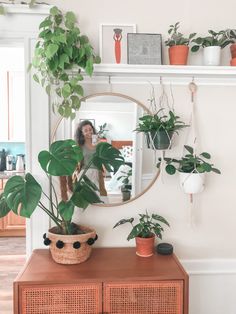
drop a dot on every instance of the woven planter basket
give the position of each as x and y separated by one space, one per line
68 254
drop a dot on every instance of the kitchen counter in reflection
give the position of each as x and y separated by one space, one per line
9 174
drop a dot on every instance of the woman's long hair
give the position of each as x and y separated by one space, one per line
79 137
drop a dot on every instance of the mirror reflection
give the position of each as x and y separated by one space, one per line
113 118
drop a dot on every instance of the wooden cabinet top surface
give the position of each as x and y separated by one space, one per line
119 264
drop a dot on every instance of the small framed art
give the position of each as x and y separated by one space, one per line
113 42
144 48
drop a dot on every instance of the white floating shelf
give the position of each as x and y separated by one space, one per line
127 73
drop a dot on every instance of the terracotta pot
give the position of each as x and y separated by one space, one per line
68 254
233 50
233 62
178 55
144 246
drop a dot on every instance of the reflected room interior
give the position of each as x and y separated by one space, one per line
115 118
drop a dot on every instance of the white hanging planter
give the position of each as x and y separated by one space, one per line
211 55
192 183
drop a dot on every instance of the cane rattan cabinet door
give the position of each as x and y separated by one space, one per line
161 297
61 299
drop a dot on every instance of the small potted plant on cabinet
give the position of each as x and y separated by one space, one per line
178 45
69 243
159 128
212 45
192 169
144 232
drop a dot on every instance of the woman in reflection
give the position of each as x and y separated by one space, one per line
86 138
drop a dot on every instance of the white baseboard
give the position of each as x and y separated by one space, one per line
209 266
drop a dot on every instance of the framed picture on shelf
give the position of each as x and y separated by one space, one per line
144 48
113 42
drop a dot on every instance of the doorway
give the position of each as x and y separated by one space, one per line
12 126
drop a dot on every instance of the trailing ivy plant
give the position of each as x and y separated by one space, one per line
61 48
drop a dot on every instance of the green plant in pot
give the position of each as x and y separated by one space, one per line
212 45
159 128
231 34
192 168
126 185
144 232
102 132
178 45
69 243
60 55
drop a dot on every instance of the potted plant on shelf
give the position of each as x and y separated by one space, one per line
144 232
231 34
192 169
212 45
102 132
62 49
178 45
69 243
127 185
159 128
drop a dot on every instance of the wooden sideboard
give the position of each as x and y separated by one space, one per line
113 280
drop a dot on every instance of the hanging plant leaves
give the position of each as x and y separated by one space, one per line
61 48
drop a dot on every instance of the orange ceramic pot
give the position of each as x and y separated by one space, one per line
144 246
233 62
233 51
178 55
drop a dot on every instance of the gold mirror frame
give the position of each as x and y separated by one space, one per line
53 134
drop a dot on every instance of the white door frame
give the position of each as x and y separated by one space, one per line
21 23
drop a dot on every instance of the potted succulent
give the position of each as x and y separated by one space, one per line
126 186
144 232
60 48
69 243
159 128
192 169
178 45
212 45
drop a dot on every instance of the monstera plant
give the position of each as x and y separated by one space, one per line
23 194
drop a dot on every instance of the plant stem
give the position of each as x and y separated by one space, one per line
40 204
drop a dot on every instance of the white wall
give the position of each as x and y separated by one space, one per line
213 211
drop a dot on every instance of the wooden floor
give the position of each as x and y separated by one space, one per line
12 259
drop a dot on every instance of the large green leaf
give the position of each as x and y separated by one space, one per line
135 232
107 156
84 195
22 194
62 158
66 210
4 208
51 50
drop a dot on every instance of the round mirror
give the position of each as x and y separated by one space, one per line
115 118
